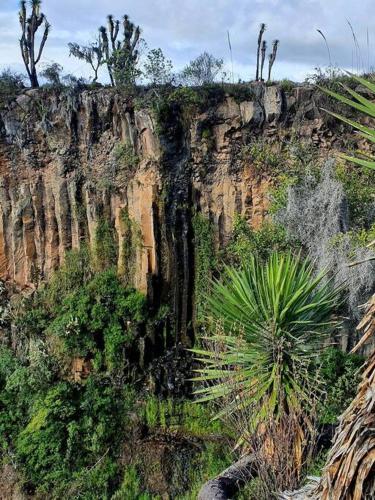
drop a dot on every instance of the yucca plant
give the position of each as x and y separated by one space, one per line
268 323
363 105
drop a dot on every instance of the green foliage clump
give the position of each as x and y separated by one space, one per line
340 375
286 85
263 157
71 427
131 487
169 108
102 312
201 71
205 261
105 245
359 189
185 97
332 78
16 389
246 241
239 92
288 164
10 85
157 68
183 416
132 242
64 436
125 156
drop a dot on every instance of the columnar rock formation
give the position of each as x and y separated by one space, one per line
68 160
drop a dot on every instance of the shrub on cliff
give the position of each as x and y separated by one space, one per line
83 314
71 428
64 435
100 317
10 84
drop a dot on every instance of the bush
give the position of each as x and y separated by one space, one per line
10 85
101 313
359 189
340 375
71 428
125 156
105 246
245 241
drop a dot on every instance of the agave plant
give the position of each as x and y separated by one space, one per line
273 319
361 104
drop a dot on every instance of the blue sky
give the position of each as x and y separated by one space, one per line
184 29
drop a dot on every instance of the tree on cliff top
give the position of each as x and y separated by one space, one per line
202 71
29 26
93 54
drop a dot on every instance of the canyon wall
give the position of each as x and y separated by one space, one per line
69 160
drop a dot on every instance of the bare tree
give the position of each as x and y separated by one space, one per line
264 49
121 55
272 57
92 54
260 36
201 71
29 26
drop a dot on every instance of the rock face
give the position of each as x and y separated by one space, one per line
71 160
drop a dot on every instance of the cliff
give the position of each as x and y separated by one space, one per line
69 160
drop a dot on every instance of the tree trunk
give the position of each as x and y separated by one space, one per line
34 79
228 483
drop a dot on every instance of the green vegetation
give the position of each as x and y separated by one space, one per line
64 434
266 326
280 307
287 163
359 189
246 242
287 85
340 373
105 246
201 71
157 68
185 416
205 261
125 156
100 313
10 85
132 241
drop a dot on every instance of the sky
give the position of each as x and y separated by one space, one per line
186 28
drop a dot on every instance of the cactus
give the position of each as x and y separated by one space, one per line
121 55
272 58
29 27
